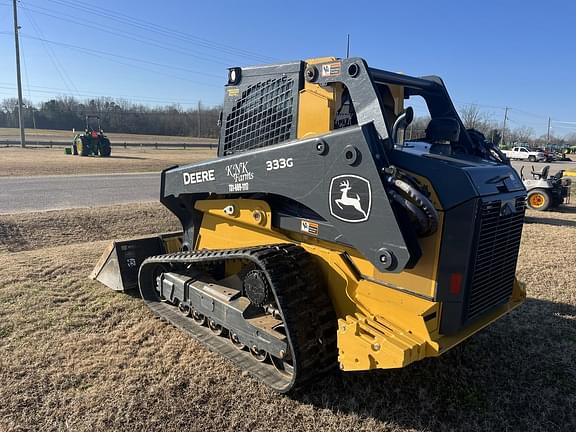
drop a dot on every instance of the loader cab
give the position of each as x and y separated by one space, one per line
268 105
435 127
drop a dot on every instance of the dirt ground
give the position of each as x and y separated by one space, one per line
16 161
46 135
77 356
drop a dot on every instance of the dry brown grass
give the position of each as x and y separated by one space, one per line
29 231
52 161
46 135
77 356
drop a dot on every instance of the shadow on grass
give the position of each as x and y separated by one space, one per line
518 374
549 221
126 157
566 209
12 239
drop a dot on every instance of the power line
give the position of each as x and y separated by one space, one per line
52 55
530 113
26 76
563 127
157 29
51 90
4 16
190 101
140 68
148 27
92 51
524 123
127 35
478 104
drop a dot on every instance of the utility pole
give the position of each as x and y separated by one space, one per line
199 122
504 127
548 136
18 79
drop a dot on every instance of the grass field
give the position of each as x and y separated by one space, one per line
77 356
46 135
50 161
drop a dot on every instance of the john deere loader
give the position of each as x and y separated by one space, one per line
322 238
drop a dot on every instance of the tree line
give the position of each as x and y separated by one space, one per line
474 118
116 115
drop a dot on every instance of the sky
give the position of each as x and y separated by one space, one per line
495 54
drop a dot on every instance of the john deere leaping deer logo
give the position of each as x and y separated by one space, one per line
346 200
350 198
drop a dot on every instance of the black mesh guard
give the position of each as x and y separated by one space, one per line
263 114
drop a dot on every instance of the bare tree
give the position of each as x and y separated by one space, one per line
522 134
570 139
472 117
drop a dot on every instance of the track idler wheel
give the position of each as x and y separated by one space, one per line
236 342
184 309
198 318
217 329
258 354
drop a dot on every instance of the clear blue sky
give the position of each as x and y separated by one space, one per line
493 53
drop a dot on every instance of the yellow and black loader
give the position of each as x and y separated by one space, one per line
320 237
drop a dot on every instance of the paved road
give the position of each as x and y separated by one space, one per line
23 194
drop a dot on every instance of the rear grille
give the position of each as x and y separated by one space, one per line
494 265
262 116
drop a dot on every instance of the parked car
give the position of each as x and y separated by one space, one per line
524 153
550 157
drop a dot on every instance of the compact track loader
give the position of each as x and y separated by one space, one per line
320 237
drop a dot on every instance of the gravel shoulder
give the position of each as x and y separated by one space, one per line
76 356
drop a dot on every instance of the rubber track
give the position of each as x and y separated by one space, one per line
305 307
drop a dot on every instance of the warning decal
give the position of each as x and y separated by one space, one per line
331 69
233 91
309 227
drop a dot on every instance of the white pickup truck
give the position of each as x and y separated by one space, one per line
524 153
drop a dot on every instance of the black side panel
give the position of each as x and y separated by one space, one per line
261 108
337 176
457 242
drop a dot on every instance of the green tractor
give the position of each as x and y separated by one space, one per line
92 141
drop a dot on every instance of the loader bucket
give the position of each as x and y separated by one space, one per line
118 266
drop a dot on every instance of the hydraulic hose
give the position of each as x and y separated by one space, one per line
417 204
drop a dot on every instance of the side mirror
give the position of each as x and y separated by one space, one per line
401 123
